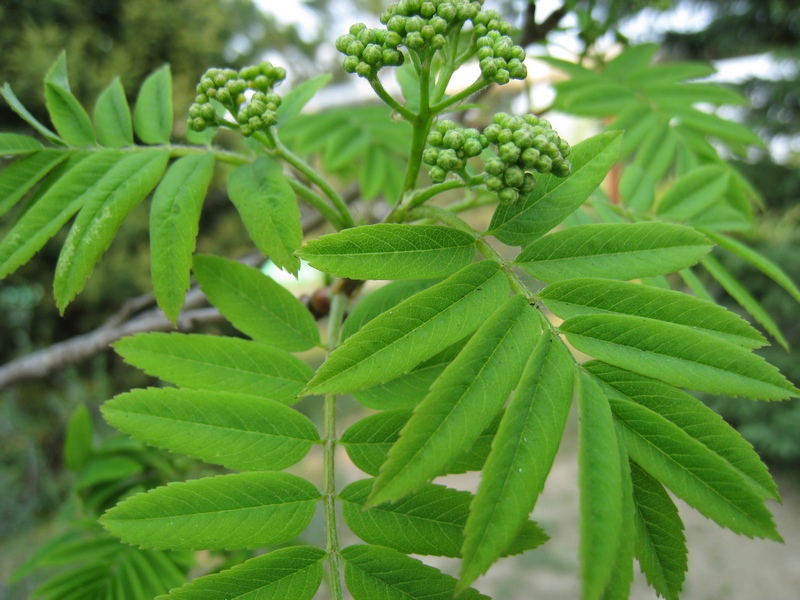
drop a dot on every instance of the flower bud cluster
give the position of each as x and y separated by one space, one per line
228 87
500 59
369 50
524 145
450 146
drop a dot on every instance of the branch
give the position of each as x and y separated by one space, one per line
127 321
533 32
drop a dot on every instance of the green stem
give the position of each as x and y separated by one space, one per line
479 84
444 216
224 156
316 201
426 194
378 88
335 318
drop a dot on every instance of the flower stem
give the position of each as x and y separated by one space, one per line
377 86
479 84
316 201
329 439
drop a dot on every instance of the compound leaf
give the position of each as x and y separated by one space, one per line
268 207
19 177
391 251
462 401
368 442
694 473
294 572
615 251
298 97
574 297
243 510
255 304
26 116
112 117
429 521
217 363
152 116
677 355
693 193
112 198
659 543
55 207
521 456
377 573
174 224
600 481
68 116
695 418
554 199
414 331
233 430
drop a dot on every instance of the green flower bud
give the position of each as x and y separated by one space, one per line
397 24
529 157
342 42
255 122
435 138
372 54
350 64
357 28
495 166
500 118
413 6
267 69
509 153
392 57
438 41
488 68
427 10
415 41
208 112
249 73
198 124
485 52
514 176
211 92
508 196
480 31
523 138
224 96
270 118
561 168
528 183
447 159
220 80
544 164
551 150
201 99
195 110
427 32
494 184
502 77
439 25
392 39
516 70
414 24
206 83
493 35
380 35
447 11
446 125
472 147
364 70
246 130
261 83
502 47
564 148
430 156
355 48
506 135
453 138
518 53
437 174
367 36
492 132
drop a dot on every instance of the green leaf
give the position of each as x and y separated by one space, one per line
12 143
694 473
637 121
255 304
152 116
78 442
600 99
615 251
391 251
267 205
174 224
630 60
554 198
744 298
414 331
369 440
656 152
677 355
407 390
693 193
659 543
245 510
521 456
217 363
619 585
26 116
294 101
759 261
600 482
381 300
68 116
377 573
462 402
693 417
55 207
112 117
637 188
693 93
233 430
19 177
294 573
671 72
107 469
429 521
574 297
111 199
714 126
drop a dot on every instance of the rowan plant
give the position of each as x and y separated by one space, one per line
468 361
